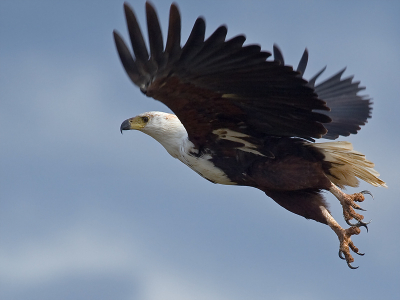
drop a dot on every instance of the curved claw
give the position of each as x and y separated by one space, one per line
359 224
363 224
342 257
365 192
359 253
359 208
351 267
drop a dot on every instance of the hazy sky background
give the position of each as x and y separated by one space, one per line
88 213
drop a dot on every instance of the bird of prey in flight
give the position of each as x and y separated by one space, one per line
244 118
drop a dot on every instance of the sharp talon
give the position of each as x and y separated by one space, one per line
341 255
359 253
368 193
359 224
351 267
359 208
363 224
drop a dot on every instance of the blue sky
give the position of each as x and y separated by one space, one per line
88 213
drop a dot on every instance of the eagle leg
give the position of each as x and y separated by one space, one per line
349 205
344 236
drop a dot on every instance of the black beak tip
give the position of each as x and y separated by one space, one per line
125 125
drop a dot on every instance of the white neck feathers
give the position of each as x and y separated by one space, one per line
167 130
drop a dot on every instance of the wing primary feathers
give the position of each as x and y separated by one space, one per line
146 67
348 110
311 82
155 35
195 41
234 60
344 87
278 55
228 48
127 59
303 63
138 44
328 83
173 46
211 45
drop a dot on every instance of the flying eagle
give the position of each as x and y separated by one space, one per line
241 119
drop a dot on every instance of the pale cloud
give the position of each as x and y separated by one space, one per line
73 251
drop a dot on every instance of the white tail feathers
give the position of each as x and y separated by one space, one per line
348 164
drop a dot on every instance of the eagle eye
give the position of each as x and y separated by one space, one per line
145 119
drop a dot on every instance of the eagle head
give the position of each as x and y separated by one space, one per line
136 123
165 128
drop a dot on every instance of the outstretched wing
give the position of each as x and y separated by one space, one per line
219 84
348 109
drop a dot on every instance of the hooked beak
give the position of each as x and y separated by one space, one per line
126 125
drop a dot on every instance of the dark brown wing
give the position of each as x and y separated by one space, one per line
348 109
218 83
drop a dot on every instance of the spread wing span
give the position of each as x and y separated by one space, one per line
216 83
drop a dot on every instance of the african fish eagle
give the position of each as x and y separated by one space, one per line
241 119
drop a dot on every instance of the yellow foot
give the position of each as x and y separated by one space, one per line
346 244
349 205
344 235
